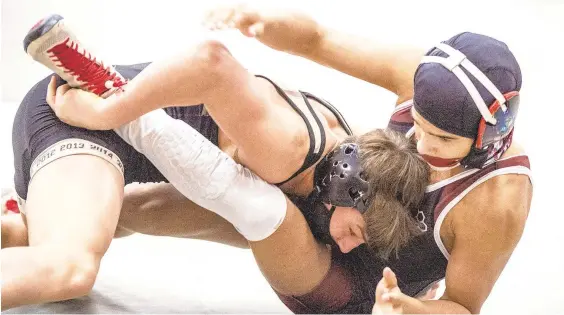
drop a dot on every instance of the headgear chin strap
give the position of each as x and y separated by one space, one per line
319 219
339 180
440 163
496 126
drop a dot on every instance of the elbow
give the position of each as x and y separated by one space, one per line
473 310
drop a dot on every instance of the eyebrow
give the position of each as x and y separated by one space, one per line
434 134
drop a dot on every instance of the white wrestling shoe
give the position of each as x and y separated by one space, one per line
51 43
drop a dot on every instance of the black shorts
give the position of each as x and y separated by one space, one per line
39 137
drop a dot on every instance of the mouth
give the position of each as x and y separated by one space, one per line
440 162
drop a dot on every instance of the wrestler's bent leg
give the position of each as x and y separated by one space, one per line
69 183
71 219
289 256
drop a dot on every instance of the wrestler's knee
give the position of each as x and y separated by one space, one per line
212 52
216 62
72 270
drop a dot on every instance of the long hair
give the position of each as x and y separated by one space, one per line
398 177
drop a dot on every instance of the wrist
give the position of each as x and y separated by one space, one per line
120 108
413 305
108 114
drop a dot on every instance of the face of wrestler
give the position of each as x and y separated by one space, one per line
347 228
437 143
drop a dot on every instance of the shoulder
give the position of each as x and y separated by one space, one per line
501 192
496 209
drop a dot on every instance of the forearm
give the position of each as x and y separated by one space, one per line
384 63
415 306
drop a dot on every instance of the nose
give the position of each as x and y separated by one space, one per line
425 145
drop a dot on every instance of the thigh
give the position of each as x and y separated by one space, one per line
159 209
271 137
69 180
39 138
74 202
291 259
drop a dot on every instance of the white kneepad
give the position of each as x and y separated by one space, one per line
206 175
256 208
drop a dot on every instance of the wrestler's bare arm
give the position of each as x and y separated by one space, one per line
487 225
387 64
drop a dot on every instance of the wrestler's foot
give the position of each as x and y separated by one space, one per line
51 43
9 201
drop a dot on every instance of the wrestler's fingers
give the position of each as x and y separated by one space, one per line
61 90
51 91
209 21
218 17
256 30
390 276
394 296
227 17
247 21
381 289
399 301
245 17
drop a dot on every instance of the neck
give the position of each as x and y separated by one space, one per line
437 176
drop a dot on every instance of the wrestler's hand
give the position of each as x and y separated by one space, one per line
389 298
283 30
76 107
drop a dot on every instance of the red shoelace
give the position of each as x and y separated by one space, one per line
84 68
